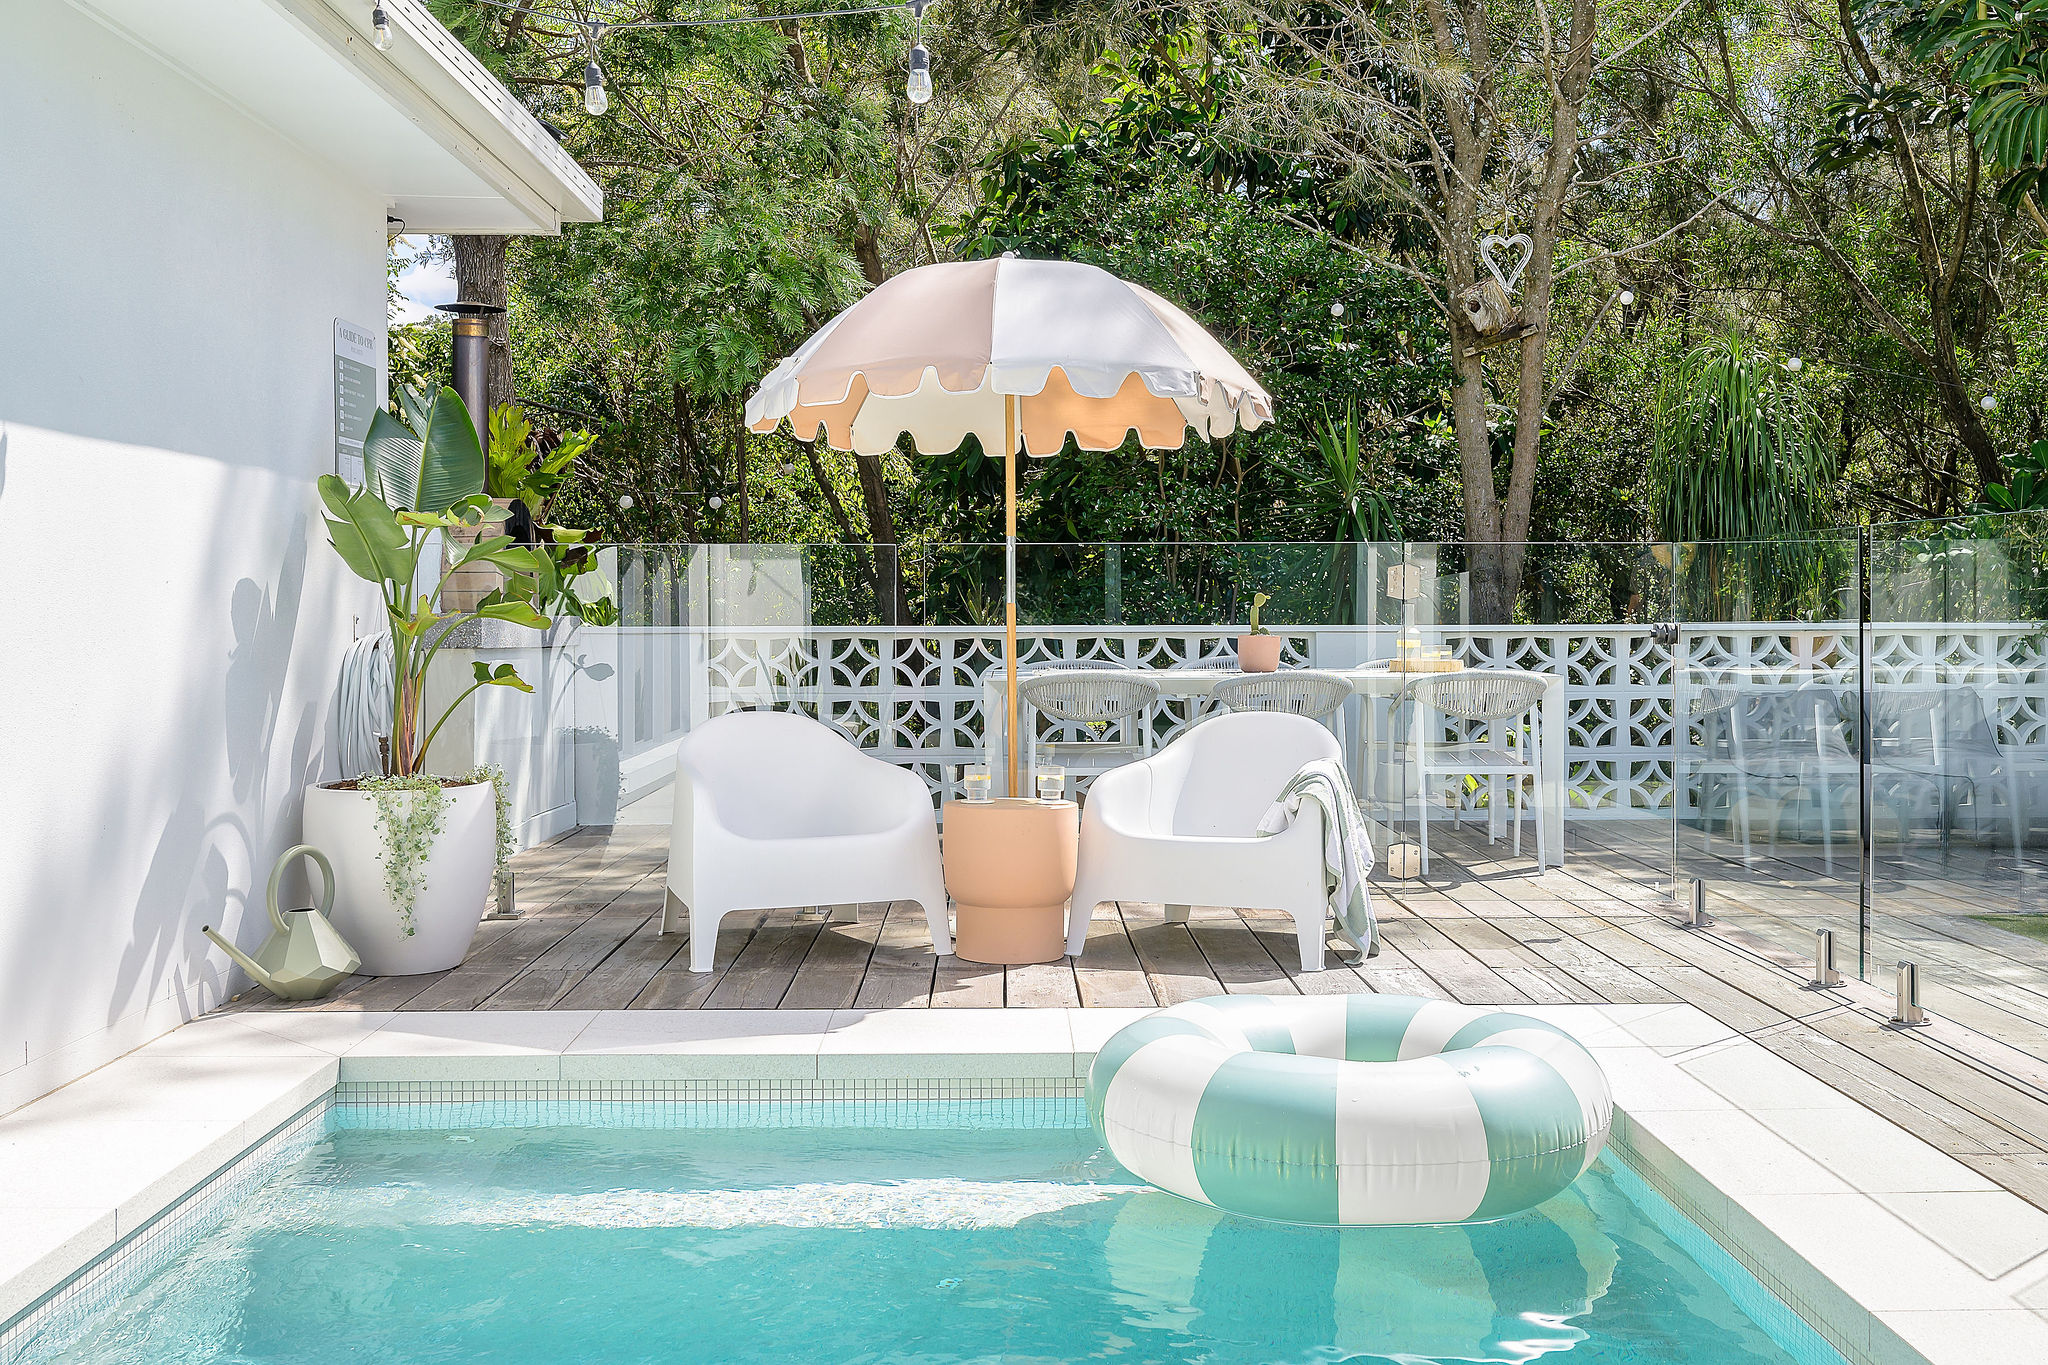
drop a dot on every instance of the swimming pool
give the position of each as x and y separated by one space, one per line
876 1231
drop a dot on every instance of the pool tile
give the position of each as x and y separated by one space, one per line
39 1248
698 1044
487 1045
945 1043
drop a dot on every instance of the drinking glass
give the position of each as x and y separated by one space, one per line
977 784
1052 782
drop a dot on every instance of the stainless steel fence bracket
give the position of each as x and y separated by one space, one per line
1692 905
1906 1010
1826 976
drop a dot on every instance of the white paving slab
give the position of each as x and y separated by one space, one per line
946 1044
492 1045
43 1246
698 1044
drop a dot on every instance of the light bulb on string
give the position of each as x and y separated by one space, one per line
595 101
380 29
919 86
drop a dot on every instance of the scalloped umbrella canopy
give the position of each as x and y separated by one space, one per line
936 351
1018 354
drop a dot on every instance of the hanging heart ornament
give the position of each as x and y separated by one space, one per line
1493 240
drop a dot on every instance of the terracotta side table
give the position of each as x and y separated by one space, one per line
1010 871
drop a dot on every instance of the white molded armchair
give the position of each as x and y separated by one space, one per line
1181 827
774 809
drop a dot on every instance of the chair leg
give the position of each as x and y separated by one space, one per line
938 923
1542 845
674 914
1521 810
1178 914
1308 932
842 914
1423 821
703 937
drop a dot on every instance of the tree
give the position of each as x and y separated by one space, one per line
1471 115
1884 106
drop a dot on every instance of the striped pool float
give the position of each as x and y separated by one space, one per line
1355 1109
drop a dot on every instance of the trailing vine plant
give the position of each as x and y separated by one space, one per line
410 810
495 775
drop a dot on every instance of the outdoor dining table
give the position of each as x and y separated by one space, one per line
1378 687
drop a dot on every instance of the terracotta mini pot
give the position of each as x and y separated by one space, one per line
1258 653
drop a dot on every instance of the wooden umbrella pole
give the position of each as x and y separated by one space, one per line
1010 438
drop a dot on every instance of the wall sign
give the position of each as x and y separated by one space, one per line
358 359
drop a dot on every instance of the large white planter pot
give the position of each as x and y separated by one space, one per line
455 878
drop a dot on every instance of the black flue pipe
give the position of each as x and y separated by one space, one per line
471 360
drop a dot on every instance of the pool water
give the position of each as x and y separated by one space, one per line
927 1237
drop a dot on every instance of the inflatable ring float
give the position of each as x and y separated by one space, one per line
1354 1109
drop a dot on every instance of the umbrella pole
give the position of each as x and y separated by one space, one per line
1010 437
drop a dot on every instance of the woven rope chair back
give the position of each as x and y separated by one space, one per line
1297 691
1477 695
1089 695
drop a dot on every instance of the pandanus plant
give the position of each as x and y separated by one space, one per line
417 479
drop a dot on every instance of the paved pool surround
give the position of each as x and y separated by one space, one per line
1895 1252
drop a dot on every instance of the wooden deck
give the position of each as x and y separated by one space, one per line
1485 929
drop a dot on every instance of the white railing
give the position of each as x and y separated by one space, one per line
914 696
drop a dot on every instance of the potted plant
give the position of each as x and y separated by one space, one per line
1258 652
519 479
414 854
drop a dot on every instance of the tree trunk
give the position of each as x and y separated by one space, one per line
739 460
480 278
874 494
687 446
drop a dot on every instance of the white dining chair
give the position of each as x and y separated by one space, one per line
1088 699
1463 700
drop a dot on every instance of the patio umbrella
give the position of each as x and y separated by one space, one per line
1020 354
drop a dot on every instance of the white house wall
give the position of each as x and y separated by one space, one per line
173 619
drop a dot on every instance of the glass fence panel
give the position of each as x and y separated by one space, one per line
1765 769
1957 708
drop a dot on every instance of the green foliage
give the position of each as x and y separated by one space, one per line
1736 453
1998 53
518 468
436 473
410 811
501 804
2026 486
1362 510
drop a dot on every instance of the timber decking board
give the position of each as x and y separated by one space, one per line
1484 928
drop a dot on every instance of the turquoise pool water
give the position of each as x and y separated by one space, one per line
945 1233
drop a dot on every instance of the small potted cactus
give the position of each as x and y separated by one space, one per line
1258 652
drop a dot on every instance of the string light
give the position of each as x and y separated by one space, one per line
595 101
919 86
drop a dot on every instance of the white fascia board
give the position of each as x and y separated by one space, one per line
440 86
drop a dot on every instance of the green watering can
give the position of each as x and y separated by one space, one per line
307 955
